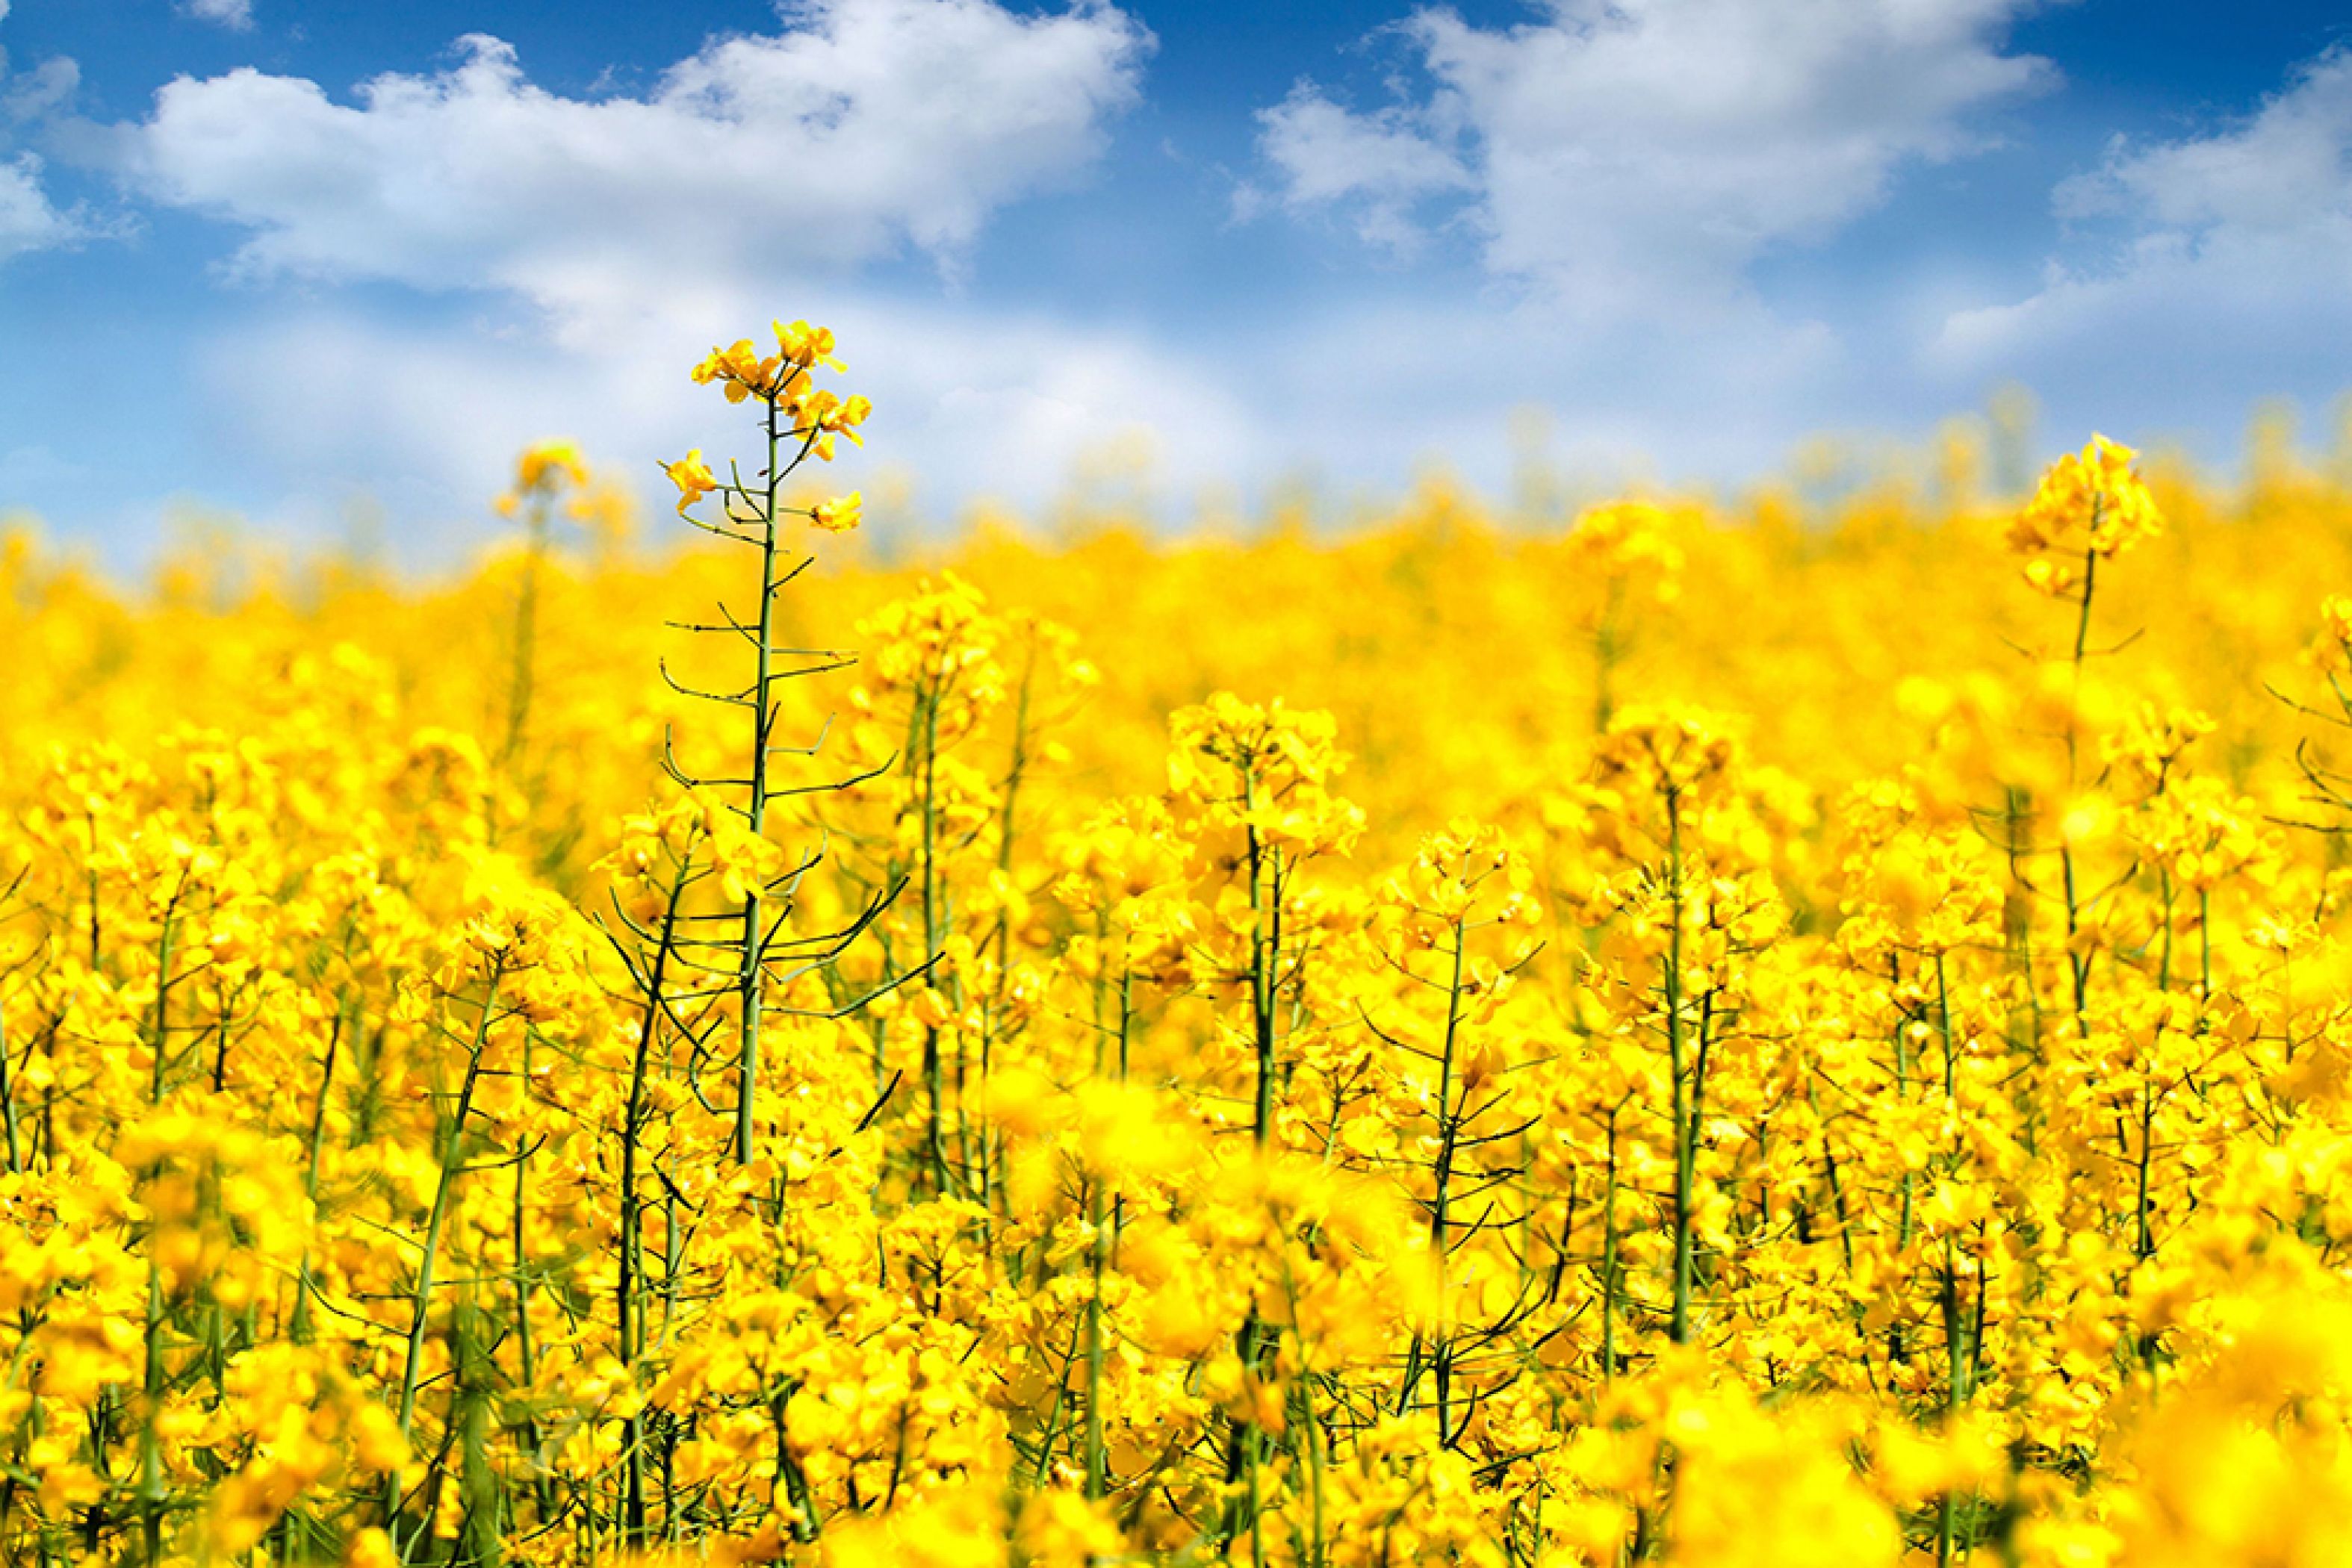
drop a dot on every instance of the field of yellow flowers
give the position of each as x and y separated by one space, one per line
1681 1033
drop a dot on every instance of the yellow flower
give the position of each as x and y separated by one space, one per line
548 465
370 1548
693 478
841 514
805 345
2089 504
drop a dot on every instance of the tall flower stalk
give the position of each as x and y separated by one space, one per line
798 421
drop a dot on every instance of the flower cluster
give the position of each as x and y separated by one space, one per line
803 419
2089 506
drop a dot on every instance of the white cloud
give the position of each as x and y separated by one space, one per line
1651 150
29 221
752 179
2214 264
1382 165
38 94
863 126
2281 170
234 15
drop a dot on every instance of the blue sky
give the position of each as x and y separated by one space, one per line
294 261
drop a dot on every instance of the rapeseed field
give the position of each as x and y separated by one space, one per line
1683 1030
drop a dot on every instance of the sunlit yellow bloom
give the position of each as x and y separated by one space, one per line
2090 506
693 478
841 514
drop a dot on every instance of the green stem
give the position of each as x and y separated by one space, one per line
453 1157
1097 1465
1685 1155
630 1330
1609 1259
9 1098
752 981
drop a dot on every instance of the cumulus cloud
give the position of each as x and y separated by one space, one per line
237 15
29 219
766 169
2285 169
1381 166
2212 262
862 127
1650 150
593 246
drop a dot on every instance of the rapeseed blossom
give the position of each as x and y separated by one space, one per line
1757 1072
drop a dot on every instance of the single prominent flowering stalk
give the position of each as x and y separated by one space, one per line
800 422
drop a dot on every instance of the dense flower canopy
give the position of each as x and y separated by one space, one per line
1670 1033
